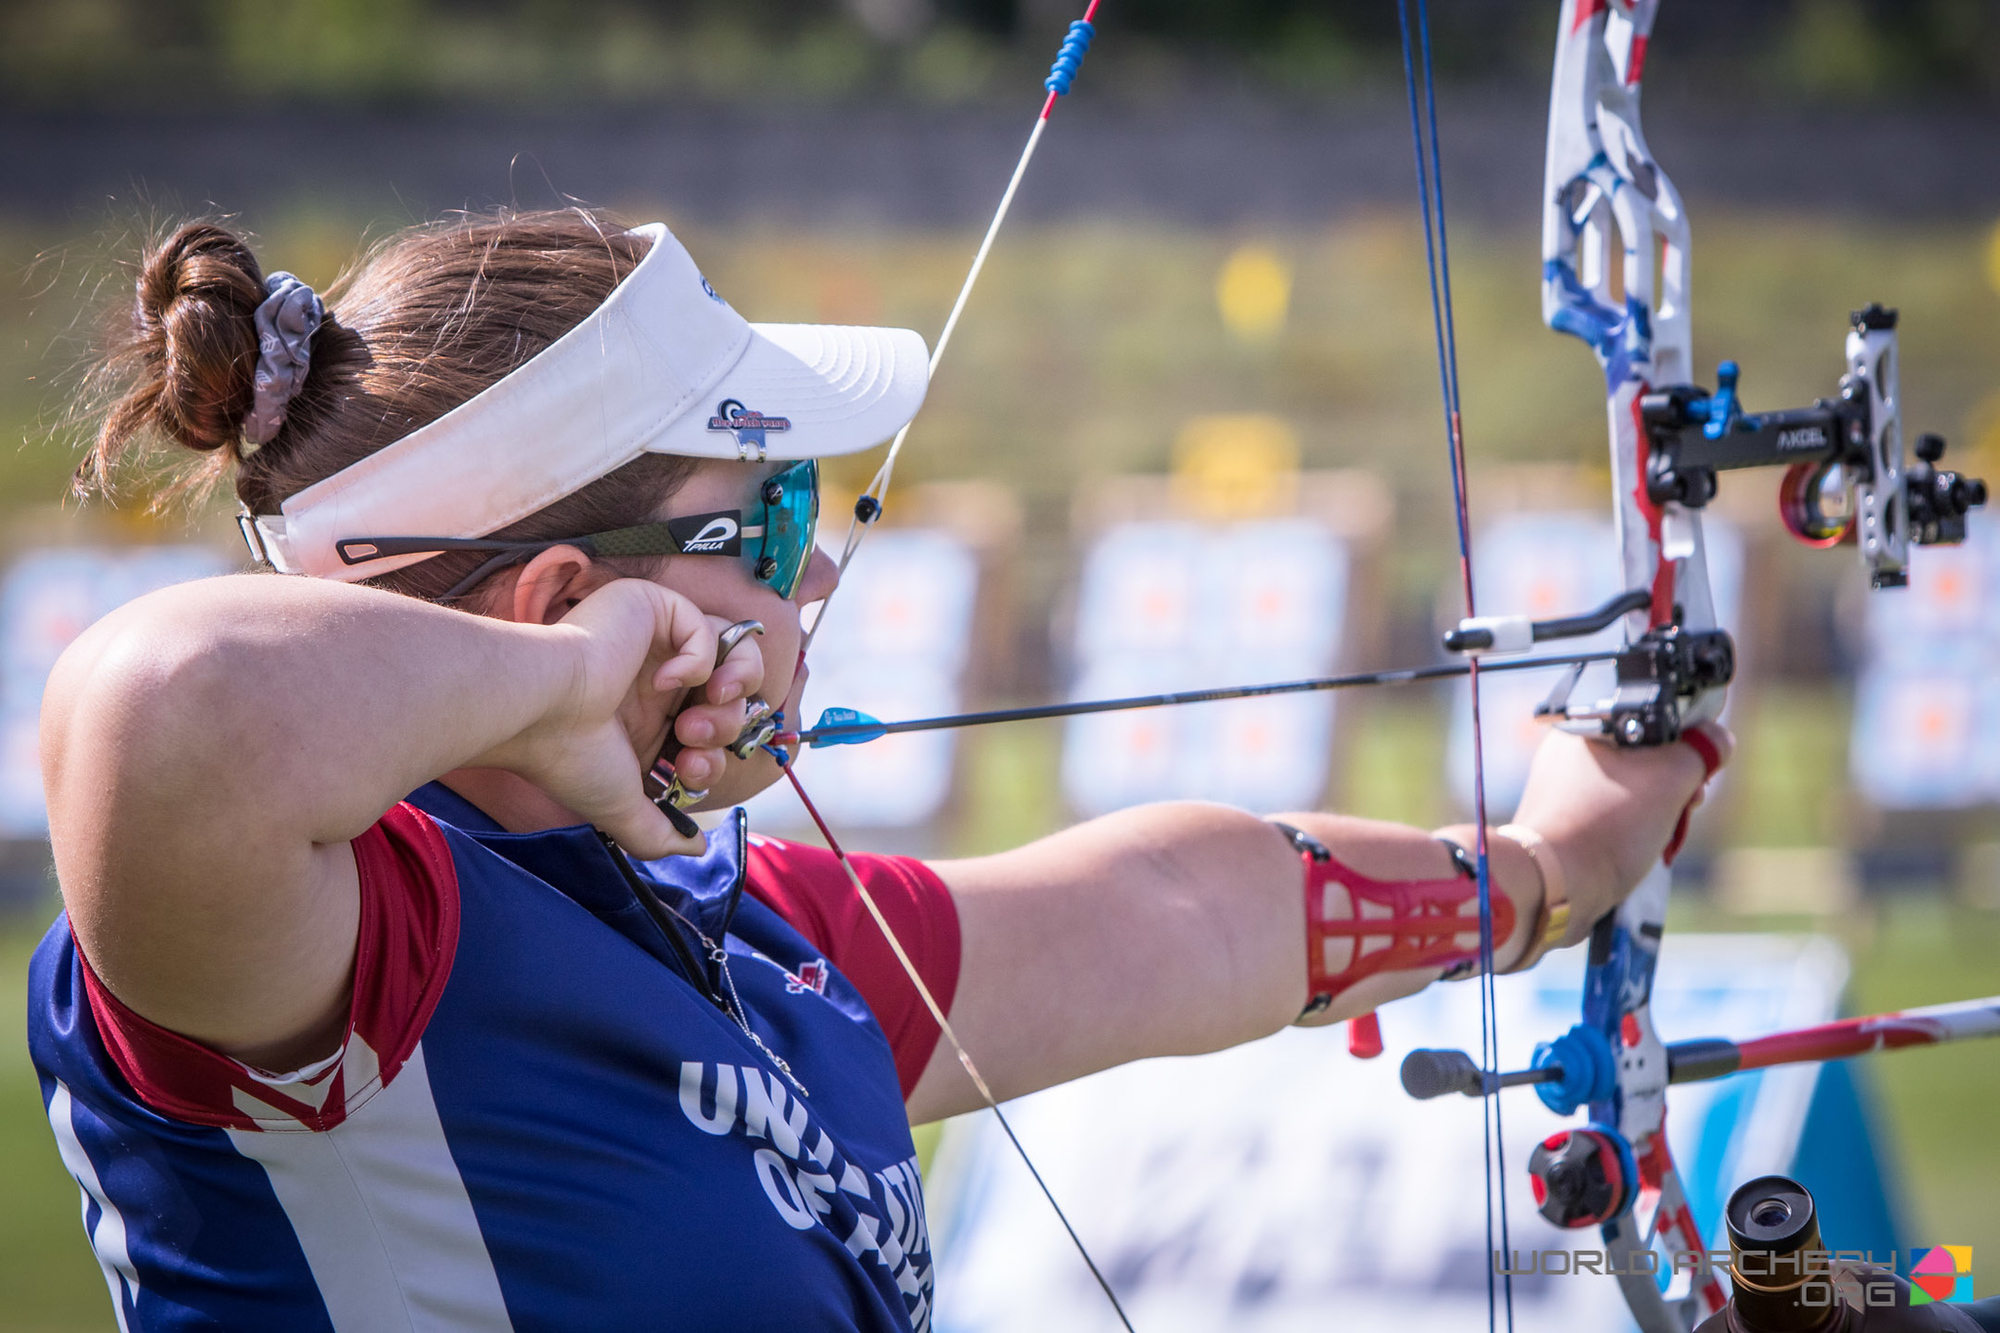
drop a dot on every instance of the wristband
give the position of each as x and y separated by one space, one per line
1552 919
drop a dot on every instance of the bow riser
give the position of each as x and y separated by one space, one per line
1608 203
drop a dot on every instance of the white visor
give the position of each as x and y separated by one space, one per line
664 366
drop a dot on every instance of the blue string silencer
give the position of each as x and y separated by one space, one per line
851 725
1070 58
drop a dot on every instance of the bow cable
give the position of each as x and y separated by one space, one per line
1437 260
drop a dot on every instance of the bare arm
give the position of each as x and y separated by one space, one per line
1180 928
209 750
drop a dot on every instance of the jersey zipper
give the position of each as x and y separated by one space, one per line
714 982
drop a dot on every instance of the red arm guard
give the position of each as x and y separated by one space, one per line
1396 925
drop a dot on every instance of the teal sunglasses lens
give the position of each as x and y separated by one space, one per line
791 513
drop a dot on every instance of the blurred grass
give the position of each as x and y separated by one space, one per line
1789 788
1933 1106
1938 1100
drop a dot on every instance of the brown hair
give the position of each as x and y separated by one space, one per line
429 317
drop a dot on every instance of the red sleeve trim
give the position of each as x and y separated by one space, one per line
807 887
407 938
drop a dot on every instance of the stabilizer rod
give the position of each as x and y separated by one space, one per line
1434 1073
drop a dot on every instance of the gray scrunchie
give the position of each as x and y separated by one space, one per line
286 322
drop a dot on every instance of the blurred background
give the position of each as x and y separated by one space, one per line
1213 259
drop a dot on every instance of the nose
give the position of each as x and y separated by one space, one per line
822 576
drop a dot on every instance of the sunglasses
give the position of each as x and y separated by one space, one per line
778 545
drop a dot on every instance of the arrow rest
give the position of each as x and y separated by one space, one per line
1664 680
1663 677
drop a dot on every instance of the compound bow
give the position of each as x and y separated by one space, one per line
1610 215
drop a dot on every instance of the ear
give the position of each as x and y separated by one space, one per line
549 586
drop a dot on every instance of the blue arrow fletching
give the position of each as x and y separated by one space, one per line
854 725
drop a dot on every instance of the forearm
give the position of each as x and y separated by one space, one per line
1168 930
1438 865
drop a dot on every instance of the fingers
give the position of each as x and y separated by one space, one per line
701 768
740 675
640 828
680 690
685 635
649 648
1712 745
1720 739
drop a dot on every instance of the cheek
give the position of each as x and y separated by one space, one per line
783 675
724 589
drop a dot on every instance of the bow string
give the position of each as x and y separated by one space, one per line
868 508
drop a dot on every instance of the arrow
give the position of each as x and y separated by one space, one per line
849 726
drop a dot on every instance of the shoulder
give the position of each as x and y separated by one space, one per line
823 900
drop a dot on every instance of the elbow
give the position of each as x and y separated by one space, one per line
140 707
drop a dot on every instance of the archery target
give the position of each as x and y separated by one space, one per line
896 648
1927 705
1178 606
49 597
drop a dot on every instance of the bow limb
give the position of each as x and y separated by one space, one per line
1607 202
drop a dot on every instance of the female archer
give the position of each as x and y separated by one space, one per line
394 990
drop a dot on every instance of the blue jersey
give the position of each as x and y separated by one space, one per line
557 1107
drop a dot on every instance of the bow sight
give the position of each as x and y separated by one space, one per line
1845 476
1845 480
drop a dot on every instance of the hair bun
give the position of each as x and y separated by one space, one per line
195 325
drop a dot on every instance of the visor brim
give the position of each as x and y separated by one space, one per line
806 391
